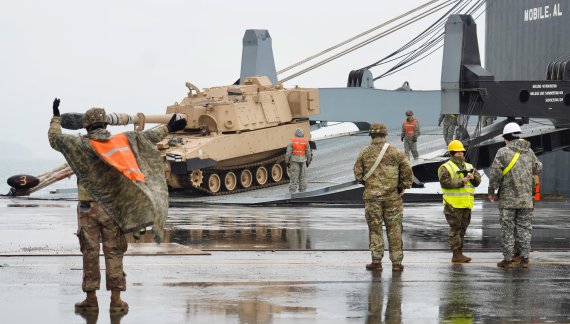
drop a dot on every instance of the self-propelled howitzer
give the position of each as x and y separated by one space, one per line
236 136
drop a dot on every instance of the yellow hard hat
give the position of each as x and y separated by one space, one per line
455 146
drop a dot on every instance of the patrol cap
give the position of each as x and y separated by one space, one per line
299 133
378 128
409 113
95 116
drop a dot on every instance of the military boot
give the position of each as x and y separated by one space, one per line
90 303
517 257
458 257
374 266
117 304
466 257
524 262
505 264
397 267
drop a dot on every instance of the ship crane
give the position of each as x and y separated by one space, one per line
468 89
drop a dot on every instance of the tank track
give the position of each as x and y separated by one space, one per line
219 170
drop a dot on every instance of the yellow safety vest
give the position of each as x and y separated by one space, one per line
458 197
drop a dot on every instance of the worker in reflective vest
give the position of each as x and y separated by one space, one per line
458 180
298 157
513 172
410 134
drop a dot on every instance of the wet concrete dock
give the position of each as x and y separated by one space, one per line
286 265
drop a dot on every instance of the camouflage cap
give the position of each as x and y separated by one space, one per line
409 113
378 128
94 116
299 133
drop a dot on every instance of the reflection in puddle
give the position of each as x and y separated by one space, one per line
306 228
377 296
256 306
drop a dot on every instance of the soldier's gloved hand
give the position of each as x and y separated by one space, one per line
414 139
56 107
439 124
402 138
176 123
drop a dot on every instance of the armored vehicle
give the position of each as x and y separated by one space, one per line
236 136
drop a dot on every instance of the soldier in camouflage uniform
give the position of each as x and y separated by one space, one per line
458 188
512 173
384 184
410 134
487 120
449 125
97 206
298 157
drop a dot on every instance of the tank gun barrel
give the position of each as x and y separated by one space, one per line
74 121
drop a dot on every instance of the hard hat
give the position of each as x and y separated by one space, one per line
409 113
511 128
378 128
94 116
299 133
455 146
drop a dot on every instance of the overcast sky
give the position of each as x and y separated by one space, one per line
130 56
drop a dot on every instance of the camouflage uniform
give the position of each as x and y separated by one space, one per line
298 166
410 142
457 218
101 216
381 199
449 125
487 120
515 195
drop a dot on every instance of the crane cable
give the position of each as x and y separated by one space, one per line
370 40
354 37
412 57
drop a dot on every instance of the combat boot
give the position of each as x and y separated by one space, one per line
516 257
90 303
117 304
397 267
505 264
458 257
524 262
461 252
374 266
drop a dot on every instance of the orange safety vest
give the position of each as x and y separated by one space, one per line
117 152
536 192
299 146
410 127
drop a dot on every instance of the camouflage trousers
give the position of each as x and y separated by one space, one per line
95 225
448 132
487 121
299 180
458 220
410 146
389 212
516 230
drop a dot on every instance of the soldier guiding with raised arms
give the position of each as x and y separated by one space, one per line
512 173
122 188
385 173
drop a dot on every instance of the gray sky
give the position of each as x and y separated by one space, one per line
130 56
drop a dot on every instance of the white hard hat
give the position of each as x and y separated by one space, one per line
511 128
